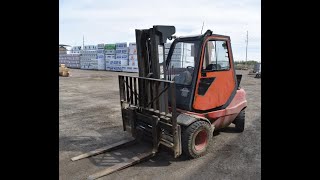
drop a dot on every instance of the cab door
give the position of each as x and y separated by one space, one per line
216 82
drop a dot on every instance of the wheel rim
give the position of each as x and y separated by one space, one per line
201 140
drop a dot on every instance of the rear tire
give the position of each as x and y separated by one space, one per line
240 121
196 139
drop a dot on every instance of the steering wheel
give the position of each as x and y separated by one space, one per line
190 67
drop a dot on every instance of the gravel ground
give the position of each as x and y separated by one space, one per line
89 118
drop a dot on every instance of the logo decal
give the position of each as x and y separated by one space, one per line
184 92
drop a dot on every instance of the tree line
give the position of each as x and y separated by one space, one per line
245 65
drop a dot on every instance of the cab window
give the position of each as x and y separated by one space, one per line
216 57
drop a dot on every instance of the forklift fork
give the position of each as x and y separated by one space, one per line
148 117
123 165
104 149
119 166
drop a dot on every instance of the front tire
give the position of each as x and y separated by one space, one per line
196 139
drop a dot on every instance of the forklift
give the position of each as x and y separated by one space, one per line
179 100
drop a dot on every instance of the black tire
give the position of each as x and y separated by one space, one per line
240 121
200 133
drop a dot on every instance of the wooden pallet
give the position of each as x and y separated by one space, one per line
63 71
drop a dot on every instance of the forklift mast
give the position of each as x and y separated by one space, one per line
148 42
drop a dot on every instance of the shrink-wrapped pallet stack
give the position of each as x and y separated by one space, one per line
76 50
88 58
101 57
72 59
121 57
133 60
182 55
110 55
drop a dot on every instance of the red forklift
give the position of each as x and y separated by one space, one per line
179 100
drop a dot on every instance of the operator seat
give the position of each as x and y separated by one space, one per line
213 67
183 78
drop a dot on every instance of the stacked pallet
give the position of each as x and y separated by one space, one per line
70 60
88 58
166 49
180 55
101 57
121 57
133 60
76 50
63 70
110 55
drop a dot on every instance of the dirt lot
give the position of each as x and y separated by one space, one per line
89 118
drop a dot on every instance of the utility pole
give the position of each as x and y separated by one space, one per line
247 47
202 27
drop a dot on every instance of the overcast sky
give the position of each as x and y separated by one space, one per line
111 21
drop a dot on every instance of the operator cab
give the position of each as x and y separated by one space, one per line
197 64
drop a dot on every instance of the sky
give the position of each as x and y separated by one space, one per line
112 21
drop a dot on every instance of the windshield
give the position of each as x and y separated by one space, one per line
182 64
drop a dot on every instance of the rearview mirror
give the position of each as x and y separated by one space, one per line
224 45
